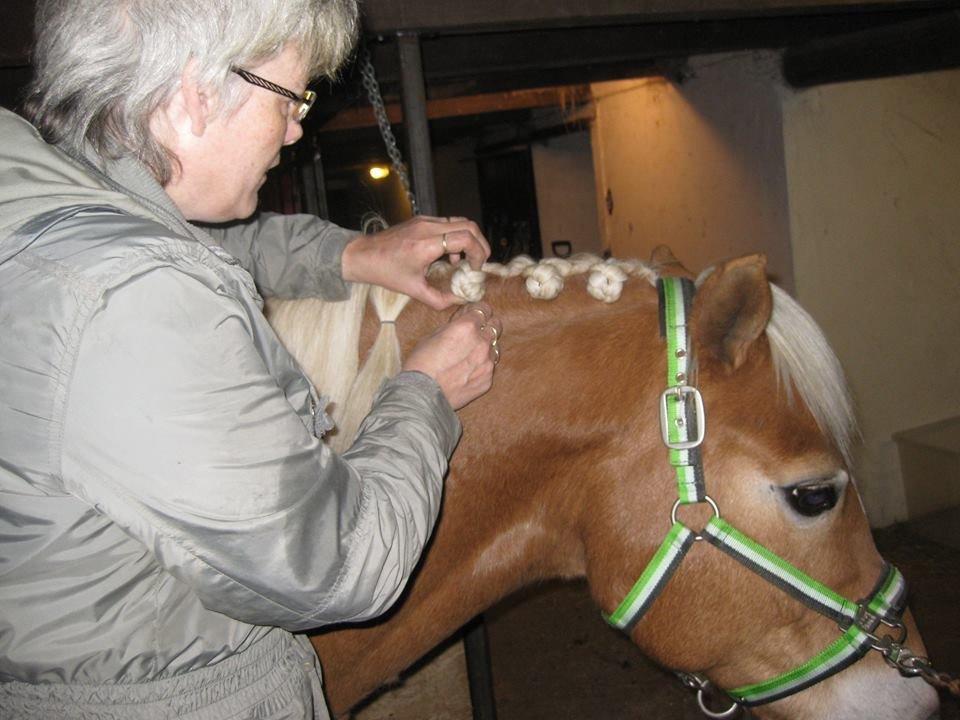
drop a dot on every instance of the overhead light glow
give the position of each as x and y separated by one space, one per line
379 172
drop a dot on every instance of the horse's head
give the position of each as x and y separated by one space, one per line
775 459
562 471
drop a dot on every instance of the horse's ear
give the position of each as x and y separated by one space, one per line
731 309
665 263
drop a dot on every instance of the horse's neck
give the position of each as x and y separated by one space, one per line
529 468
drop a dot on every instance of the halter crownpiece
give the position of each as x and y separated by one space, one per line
683 425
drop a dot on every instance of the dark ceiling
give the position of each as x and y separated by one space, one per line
480 47
450 17
466 53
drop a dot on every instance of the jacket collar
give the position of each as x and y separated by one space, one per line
129 176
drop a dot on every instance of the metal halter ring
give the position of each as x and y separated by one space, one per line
496 334
699 683
496 354
707 499
728 713
482 313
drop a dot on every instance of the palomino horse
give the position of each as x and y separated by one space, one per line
562 473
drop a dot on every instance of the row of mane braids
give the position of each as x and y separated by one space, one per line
324 337
544 279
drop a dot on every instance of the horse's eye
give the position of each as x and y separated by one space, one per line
812 500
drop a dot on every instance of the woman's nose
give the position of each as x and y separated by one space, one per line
294 131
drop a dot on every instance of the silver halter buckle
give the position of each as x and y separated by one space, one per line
680 392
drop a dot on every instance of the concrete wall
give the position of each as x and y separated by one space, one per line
563 172
874 188
697 166
851 190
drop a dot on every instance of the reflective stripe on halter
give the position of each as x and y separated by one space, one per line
681 408
683 423
641 596
884 605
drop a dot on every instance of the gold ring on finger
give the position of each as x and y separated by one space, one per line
443 244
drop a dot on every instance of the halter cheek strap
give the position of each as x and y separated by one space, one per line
859 621
683 425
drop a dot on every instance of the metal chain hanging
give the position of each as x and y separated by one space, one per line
372 87
941 680
909 664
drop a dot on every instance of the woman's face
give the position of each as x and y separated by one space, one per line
223 169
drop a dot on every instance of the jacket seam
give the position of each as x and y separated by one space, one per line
88 293
360 533
157 650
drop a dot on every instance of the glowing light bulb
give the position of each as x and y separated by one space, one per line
379 172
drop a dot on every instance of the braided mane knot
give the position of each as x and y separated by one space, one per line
545 279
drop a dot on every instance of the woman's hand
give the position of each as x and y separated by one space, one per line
461 355
398 258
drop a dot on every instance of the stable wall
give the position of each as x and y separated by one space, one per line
852 192
563 174
696 166
873 173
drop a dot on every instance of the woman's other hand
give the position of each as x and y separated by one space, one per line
398 258
462 354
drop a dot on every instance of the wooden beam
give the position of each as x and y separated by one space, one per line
921 45
469 105
388 16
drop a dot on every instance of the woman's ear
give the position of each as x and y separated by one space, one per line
731 309
194 100
185 116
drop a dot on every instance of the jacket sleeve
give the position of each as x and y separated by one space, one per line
289 256
176 431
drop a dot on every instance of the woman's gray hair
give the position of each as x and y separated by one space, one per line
104 67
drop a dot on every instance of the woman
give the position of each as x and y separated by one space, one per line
168 516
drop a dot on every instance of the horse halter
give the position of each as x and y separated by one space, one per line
683 426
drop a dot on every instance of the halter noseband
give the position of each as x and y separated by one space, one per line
683 425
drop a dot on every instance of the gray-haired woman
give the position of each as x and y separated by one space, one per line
168 517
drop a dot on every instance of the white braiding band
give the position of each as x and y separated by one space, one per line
606 282
545 279
468 284
544 282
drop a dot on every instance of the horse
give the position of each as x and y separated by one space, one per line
562 473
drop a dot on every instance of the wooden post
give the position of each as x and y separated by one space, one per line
421 161
415 121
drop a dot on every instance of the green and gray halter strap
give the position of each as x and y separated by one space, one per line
683 425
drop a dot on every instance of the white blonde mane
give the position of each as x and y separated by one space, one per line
324 338
804 360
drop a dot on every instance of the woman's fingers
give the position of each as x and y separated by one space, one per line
464 236
398 258
479 312
489 327
461 355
